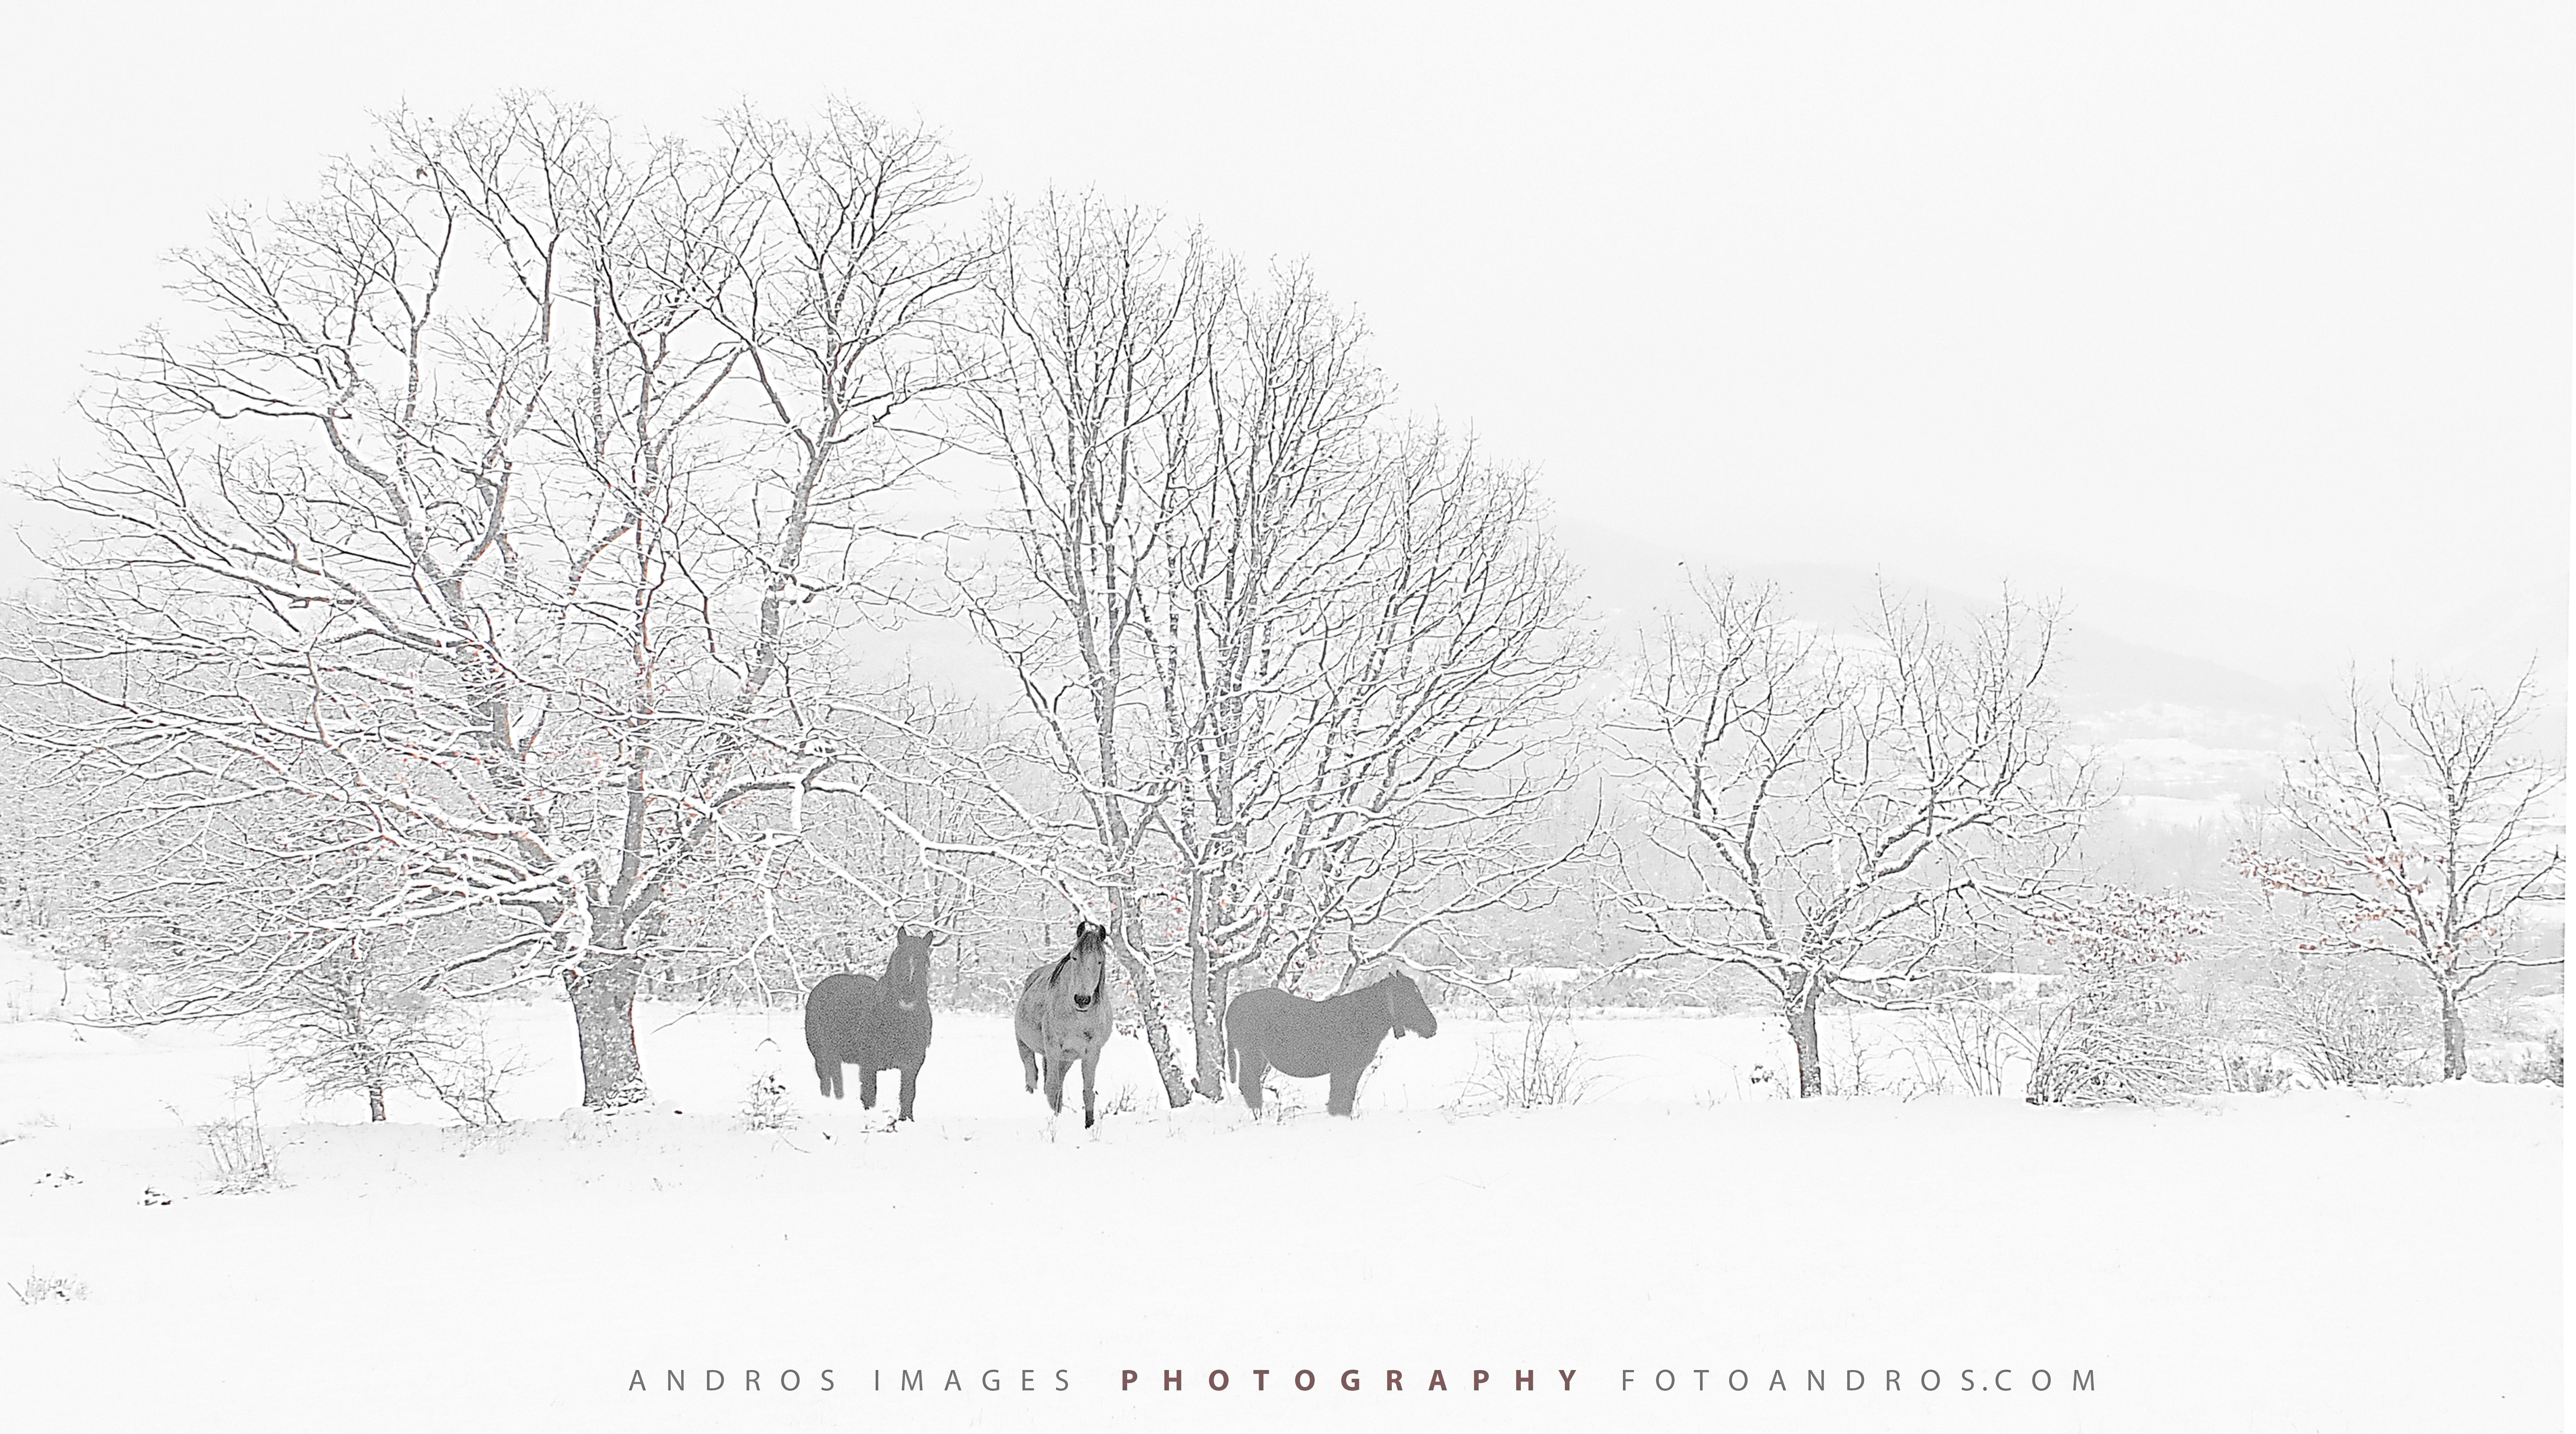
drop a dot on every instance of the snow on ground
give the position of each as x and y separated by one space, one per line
2339 1261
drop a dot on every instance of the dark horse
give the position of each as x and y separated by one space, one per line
1063 1017
875 1025
1270 1028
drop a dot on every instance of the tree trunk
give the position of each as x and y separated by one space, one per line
1208 1025
603 1017
1149 1019
2455 1034
1802 1034
376 1101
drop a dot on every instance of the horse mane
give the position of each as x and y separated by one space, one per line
1086 936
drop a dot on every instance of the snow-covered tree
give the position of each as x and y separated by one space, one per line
481 517
2422 831
1279 650
1854 819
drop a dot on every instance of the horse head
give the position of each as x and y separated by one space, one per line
907 973
1088 967
1406 1012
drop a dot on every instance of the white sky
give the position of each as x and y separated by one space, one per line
2246 325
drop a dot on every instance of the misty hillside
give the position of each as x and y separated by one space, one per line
2188 737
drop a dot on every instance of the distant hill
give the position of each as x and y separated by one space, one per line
2189 738
1627 578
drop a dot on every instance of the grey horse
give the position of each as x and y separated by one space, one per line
1063 1017
874 1024
1270 1029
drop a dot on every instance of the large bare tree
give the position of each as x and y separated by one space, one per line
480 513
1845 818
1280 651
2422 831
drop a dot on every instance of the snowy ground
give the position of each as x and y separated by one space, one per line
2329 1261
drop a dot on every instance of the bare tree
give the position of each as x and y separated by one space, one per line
1841 818
1277 649
2422 832
489 509
258 932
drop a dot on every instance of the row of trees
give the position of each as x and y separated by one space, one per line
487 575
1875 820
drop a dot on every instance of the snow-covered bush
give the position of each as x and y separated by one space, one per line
2343 1027
2122 1037
2540 1062
1541 1063
2124 1030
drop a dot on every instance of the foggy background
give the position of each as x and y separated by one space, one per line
2246 329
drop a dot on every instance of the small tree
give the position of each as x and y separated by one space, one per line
259 930
2421 832
1841 818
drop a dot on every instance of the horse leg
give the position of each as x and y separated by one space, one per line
1249 1069
1346 1088
1055 1071
1090 1068
911 1073
867 1086
827 1074
1029 1067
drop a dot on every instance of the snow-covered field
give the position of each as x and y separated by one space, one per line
2336 1261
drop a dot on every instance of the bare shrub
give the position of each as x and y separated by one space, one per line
243 1162
1852 1069
2251 1070
2540 1062
237 1144
1541 1063
766 1106
2341 1027
49 1289
2122 1037
1971 1042
465 1072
